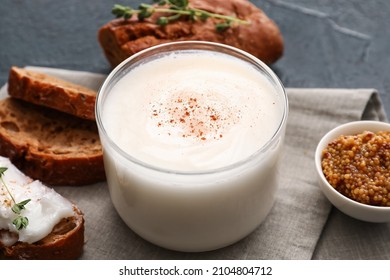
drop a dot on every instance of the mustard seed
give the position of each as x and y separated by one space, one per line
358 166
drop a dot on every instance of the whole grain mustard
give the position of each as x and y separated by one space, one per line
358 166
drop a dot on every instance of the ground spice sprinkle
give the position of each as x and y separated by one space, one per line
194 118
358 166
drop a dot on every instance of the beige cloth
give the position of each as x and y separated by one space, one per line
295 224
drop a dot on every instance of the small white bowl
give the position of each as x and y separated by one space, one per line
357 210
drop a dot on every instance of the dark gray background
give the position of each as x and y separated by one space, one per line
328 44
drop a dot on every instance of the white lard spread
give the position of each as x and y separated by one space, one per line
192 112
44 211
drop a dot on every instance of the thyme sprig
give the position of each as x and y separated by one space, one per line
175 9
20 222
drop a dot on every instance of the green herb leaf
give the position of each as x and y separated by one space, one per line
160 2
18 207
204 16
175 9
222 26
192 15
20 222
122 11
2 170
144 14
162 21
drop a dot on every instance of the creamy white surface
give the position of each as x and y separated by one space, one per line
44 211
196 111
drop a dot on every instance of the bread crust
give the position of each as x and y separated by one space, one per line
65 242
50 146
262 38
45 90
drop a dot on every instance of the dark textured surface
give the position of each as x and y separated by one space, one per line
328 43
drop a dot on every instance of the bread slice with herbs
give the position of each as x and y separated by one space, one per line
51 146
65 242
53 227
49 91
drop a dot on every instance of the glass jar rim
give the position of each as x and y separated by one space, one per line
180 46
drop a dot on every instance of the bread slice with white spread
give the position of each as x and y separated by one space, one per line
55 226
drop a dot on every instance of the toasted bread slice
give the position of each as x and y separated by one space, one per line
65 242
48 145
52 92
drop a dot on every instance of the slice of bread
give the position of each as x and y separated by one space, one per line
52 92
51 146
65 242
55 228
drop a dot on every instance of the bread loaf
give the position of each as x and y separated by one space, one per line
48 145
45 90
121 38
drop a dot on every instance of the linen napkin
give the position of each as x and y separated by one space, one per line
295 223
